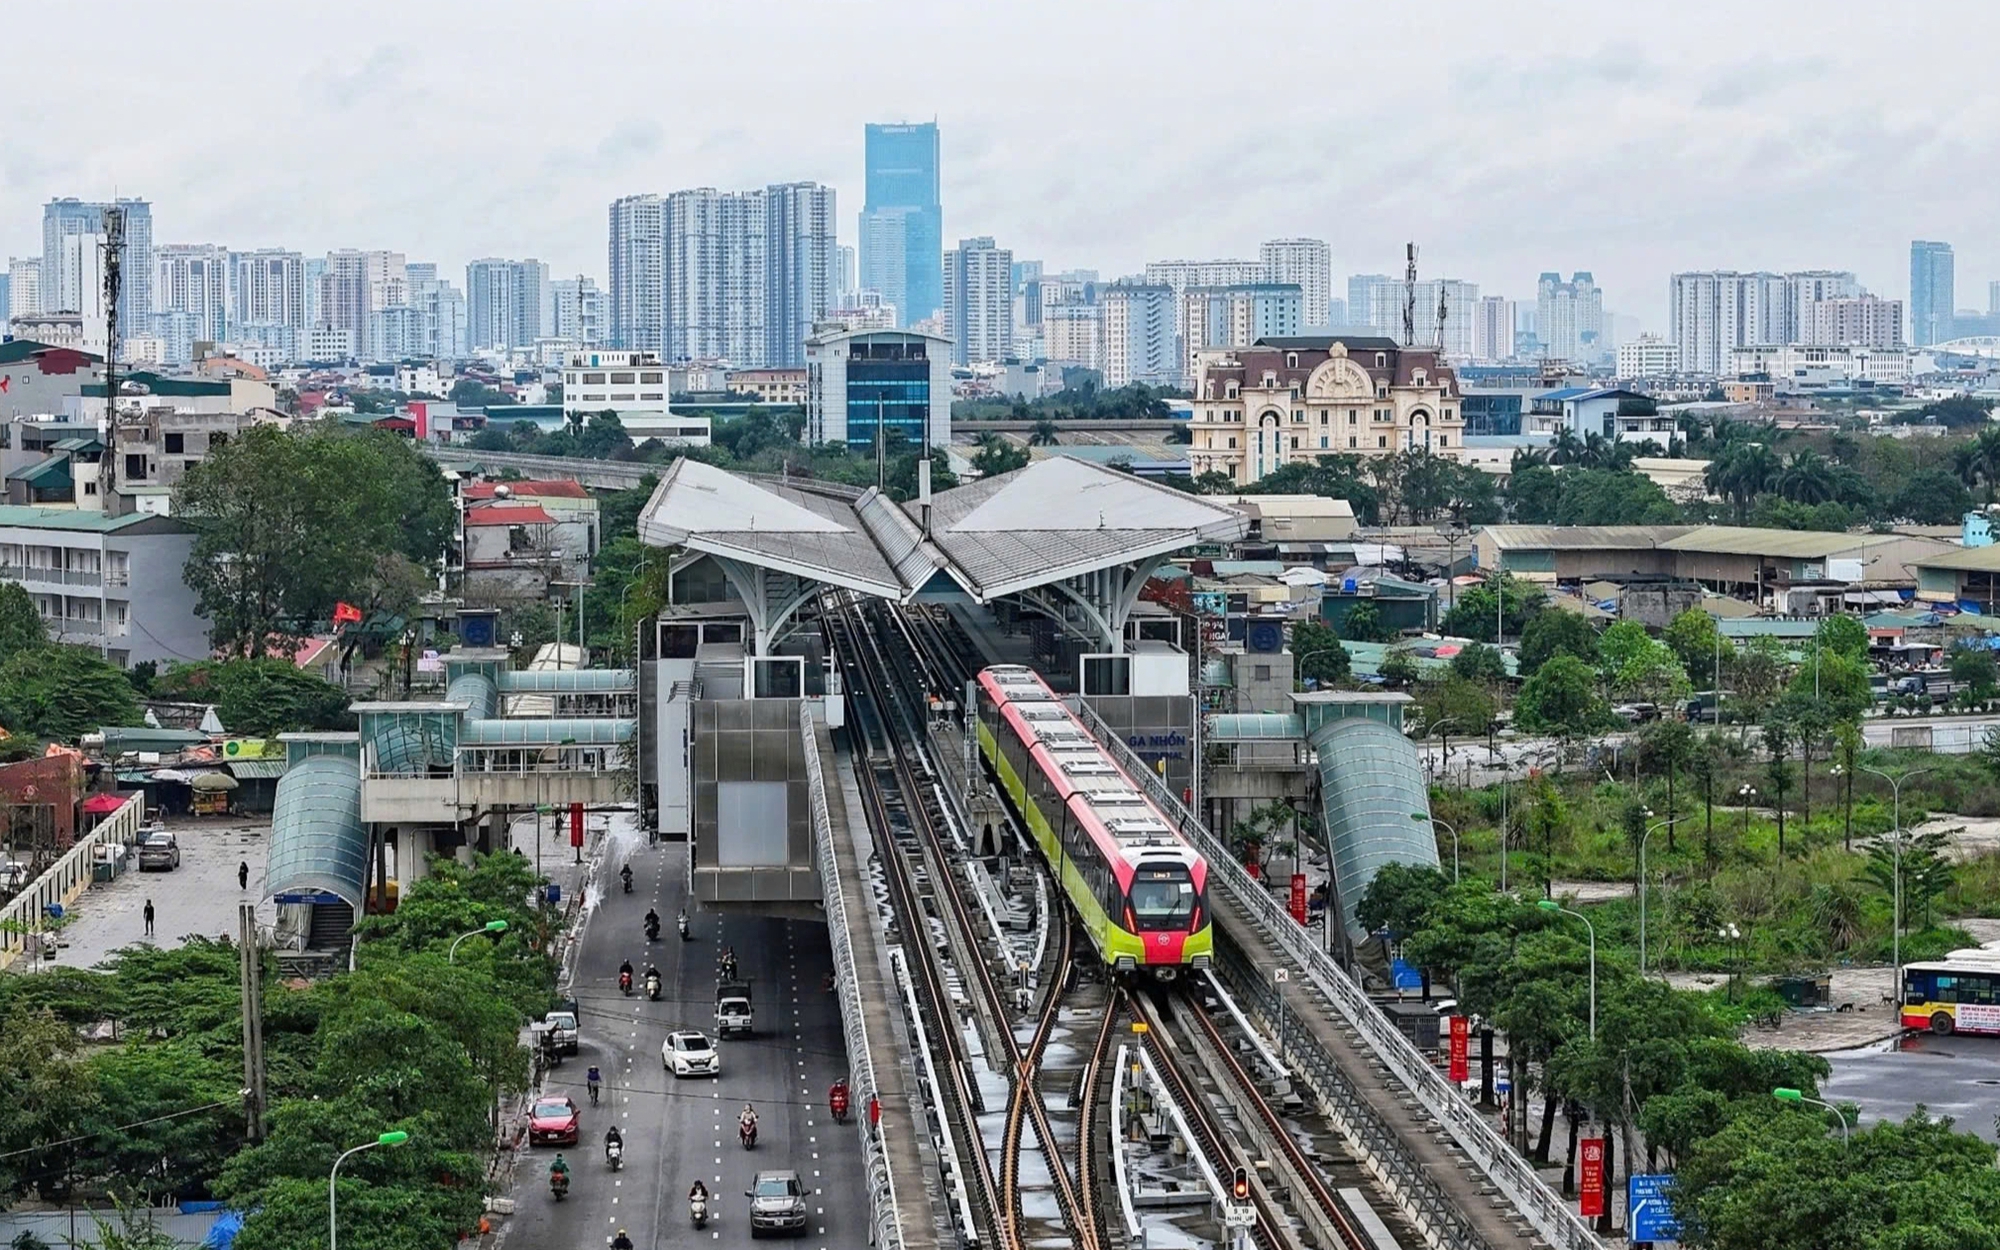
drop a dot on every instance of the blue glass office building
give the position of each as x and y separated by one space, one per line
902 220
859 381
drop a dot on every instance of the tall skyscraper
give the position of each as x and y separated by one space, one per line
267 287
503 300
715 276
850 273
443 331
1807 288
192 278
1711 312
67 270
979 301
1493 329
1308 264
1237 316
1931 293
902 219
24 285
1138 334
638 273
1570 317
578 306
1862 321
801 266
1361 302
357 284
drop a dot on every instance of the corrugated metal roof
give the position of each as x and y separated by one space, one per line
44 472
1253 727
568 681
1965 559
1580 537
578 731
1743 540
317 839
1766 627
256 770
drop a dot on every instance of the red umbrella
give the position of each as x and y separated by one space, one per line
104 804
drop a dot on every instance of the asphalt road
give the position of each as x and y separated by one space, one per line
1954 1076
676 1131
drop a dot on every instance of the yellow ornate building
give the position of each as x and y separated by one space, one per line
1292 399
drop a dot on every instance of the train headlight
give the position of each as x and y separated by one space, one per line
1199 961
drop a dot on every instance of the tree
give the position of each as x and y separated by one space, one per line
63 693
1974 668
1927 872
260 698
1670 744
1556 631
21 627
1399 668
287 523
1696 640
1534 493
1317 653
1612 497
996 456
1847 738
1479 662
1777 1178
1400 899
1740 474
603 437
1364 623
1807 478
1931 497
1473 615
1842 635
1468 704
1561 699
1044 434
1780 729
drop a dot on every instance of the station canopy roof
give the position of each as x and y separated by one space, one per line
1056 519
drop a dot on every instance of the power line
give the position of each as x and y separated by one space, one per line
116 1128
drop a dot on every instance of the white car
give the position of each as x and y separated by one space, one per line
688 1053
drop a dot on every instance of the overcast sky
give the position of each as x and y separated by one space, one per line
1505 139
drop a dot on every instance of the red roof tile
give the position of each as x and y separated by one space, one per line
524 514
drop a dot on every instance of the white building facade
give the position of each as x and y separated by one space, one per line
979 301
1139 336
1306 264
637 292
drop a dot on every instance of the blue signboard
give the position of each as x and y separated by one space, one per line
1647 1211
1406 977
317 898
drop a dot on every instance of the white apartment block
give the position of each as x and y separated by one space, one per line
24 286
356 284
715 275
637 296
1864 320
109 583
1795 367
623 381
193 278
979 301
1569 316
1307 264
1712 312
1460 298
267 287
1139 334
504 303
1493 322
330 343
801 266
1073 334
1648 356
1237 316
578 308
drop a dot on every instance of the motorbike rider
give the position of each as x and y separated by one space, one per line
652 923
625 976
747 1122
684 922
592 1081
559 1168
621 1241
626 874
729 963
612 1137
699 1193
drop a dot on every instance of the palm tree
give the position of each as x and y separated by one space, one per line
1977 462
1567 449
1807 479
1740 474
1528 458
1044 434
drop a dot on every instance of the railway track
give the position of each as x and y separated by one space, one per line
905 799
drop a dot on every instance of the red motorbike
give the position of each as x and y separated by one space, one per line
625 983
837 1102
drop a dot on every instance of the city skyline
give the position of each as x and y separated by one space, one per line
1125 184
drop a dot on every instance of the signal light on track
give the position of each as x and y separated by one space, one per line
1240 1186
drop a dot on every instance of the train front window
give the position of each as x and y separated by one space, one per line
1162 898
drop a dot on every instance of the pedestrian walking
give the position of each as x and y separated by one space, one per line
243 875
149 917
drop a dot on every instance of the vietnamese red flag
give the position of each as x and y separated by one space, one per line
344 612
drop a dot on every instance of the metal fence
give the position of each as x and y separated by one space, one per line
1525 1191
888 1225
26 917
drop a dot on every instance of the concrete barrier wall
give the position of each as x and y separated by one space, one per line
26 914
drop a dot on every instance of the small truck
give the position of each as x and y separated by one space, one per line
732 1009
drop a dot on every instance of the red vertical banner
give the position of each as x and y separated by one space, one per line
1592 1151
576 824
1461 1036
1299 897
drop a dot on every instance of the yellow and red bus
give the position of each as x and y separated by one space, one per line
1960 994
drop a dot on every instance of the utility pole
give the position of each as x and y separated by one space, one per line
253 1023
1410 296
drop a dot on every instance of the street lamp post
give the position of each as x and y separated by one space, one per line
1748 795
491 926
1550 905
1423 816
1643 839
1444 740
1299 662
1896 875
396 1138
1734 936
1792 1095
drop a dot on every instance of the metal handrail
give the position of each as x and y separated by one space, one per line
1499 1162
861 1057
